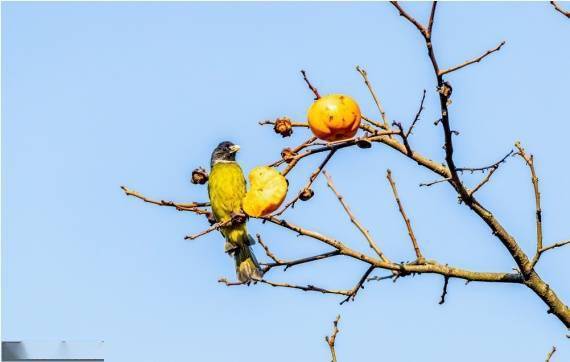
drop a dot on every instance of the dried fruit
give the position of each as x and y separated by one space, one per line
334 117
287 155
306 194
199 176
283 127
363 143
267 190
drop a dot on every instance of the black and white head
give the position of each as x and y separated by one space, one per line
225 152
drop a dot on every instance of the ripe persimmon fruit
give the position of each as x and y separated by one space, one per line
267 190
334 117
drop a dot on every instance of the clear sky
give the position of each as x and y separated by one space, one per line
98 95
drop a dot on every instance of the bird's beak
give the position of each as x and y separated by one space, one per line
234 148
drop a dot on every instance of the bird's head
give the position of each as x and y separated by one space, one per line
225 152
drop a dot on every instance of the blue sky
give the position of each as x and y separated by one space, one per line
97 95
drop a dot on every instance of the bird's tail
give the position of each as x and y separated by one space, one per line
247 267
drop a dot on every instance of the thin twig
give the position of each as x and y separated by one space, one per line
419 255
378 278
444 292
549 355
431 17
353 219
529 160
267 251
312 178
332 339
358 286
311 87
216 226
292 263
485 168
555 245
191 206
560 10
475 60
412 20
295 151
417 117
484 181
364 75
428 184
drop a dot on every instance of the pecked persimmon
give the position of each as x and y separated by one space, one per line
267 190
334 117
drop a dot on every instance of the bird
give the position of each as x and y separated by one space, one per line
226 190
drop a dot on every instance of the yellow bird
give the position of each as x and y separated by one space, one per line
227 188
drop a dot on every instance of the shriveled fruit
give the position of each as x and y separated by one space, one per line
267 190
334 117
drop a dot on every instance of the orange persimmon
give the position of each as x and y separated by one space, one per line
334 117
267 190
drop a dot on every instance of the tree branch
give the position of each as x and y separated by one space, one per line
475 60
216 226
332 339
484 181
307 189
353 219
417 117
427 267
560 10
444 292
364 75
191 206
485 168
419 255
549 355
529 160
311 87
358 286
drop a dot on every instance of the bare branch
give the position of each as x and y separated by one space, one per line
412 20
484 181
289 264
379 279
475 60
431 17
312 178
529 159
485 168
560 10
364 75
332 339
404 137
417 117
216 226
358 286
191 206
267 251
549 355
539 253
555 245
427 267
428 184
353 219
294 152
444 292
419 255
532 279
305 288
313 89
373 122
